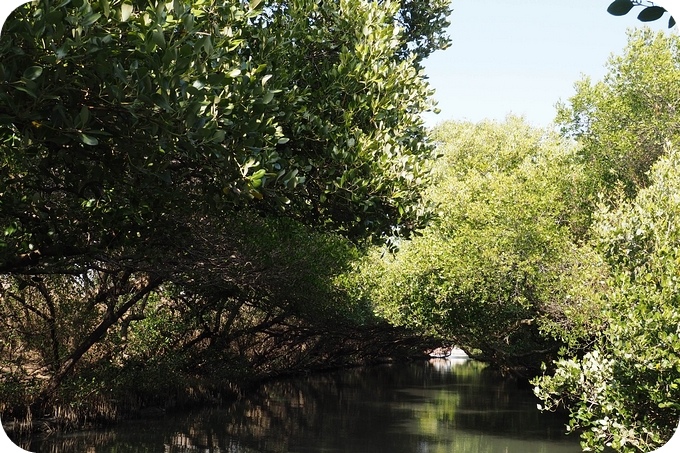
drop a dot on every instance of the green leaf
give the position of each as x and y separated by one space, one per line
620 7
91 19
204 43
10 230
83 117
105 7
158 38
161 101
27 90
177 7
89 140
219 136
33 72
258 174
267 98
160 8
651 13
125 12
234 73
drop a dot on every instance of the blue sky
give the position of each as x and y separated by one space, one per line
523 56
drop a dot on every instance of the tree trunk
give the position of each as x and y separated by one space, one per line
111 317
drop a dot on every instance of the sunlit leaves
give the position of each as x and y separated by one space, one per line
89 140
500 262
625 392
267 98
141 105
106 7
341 99
638 92
125 11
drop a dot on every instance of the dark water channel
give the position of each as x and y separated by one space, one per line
440 406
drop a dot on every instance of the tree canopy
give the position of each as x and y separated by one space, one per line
193 192
623 392
624 122
559 251
498 271
161 162
121 112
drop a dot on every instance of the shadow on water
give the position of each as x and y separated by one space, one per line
452 406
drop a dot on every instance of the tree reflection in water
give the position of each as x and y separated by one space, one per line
452 406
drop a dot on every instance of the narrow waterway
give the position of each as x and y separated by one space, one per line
440 406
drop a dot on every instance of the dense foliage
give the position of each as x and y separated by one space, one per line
499 272
624 122
216 105
624 391
180 182
561 247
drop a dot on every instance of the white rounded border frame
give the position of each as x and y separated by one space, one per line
6 8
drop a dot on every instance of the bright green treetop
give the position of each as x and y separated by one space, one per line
500 271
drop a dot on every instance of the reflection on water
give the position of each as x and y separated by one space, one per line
452 406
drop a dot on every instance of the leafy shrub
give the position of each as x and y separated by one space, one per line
626 392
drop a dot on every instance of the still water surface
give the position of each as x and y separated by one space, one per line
440 406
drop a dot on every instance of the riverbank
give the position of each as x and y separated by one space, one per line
107 396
